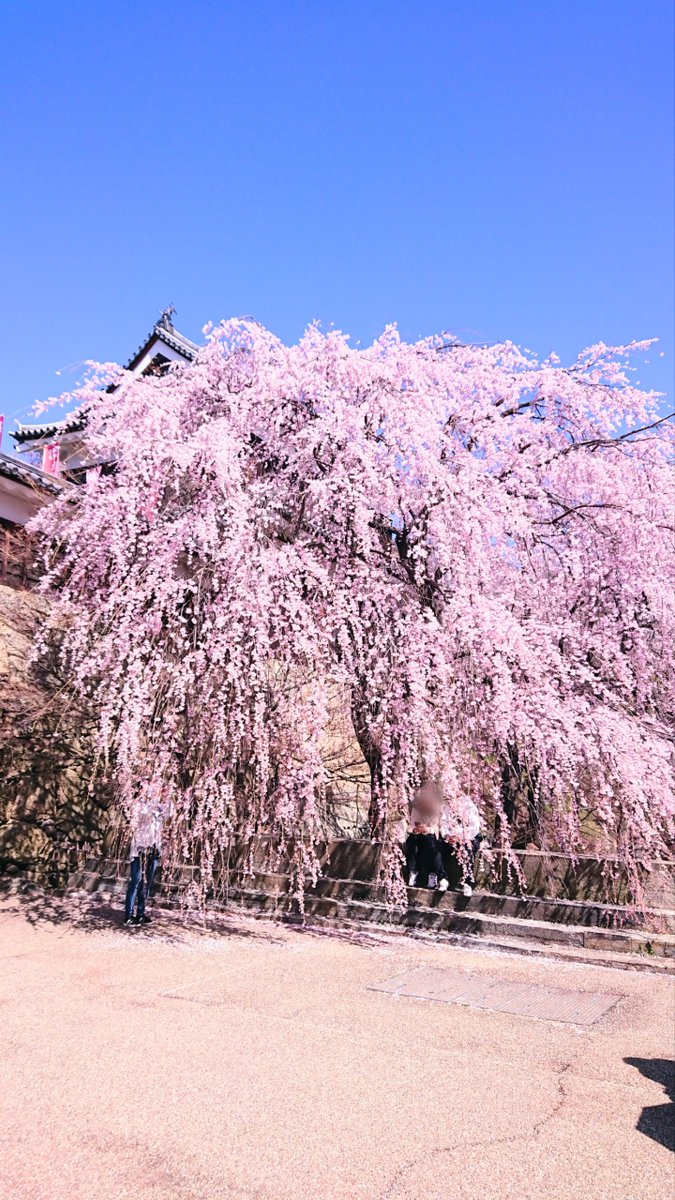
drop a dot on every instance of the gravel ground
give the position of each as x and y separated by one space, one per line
250 1061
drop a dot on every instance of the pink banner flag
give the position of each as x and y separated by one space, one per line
50 459
2 426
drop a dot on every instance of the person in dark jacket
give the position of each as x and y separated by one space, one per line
423 846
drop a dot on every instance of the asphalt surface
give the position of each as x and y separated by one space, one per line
251 1061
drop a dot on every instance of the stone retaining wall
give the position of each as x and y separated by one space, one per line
546 875
52 800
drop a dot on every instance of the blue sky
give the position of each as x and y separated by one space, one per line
497 168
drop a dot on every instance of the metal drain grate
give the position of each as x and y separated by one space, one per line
482 991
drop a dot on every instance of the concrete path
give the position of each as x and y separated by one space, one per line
252 1061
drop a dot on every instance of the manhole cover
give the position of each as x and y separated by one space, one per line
482 991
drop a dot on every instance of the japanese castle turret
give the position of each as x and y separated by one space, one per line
52 455
58 445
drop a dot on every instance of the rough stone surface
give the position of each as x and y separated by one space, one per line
243 1061
19 613
52 799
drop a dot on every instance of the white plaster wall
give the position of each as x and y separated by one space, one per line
17 503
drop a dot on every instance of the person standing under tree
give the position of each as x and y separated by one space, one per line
144 856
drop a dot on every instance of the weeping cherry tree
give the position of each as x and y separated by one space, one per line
473 547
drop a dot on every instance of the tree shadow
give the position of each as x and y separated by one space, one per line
40 906
96 914
658 1120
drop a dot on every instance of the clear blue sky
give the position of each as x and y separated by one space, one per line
498 168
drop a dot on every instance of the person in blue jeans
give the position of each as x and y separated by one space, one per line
134 907
145 853
143 867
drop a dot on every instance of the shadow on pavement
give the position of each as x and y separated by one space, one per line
94 915
658 1121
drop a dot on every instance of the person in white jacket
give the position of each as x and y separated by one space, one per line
144 856
460 838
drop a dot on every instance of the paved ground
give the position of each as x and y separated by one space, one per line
252 1063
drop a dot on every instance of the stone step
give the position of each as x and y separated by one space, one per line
488 917
369 928
532 909
559 910
521 945
540 908
266 907
471 923
563 912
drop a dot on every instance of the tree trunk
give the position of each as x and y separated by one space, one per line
519 797
371 752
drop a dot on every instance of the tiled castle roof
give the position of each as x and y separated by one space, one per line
165 332
162 331
49 429
28 475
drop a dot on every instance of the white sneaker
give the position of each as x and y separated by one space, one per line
412 879
432 881
467 890
443 885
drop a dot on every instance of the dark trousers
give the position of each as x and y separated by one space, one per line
423 854
139 889
153 863
459 860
